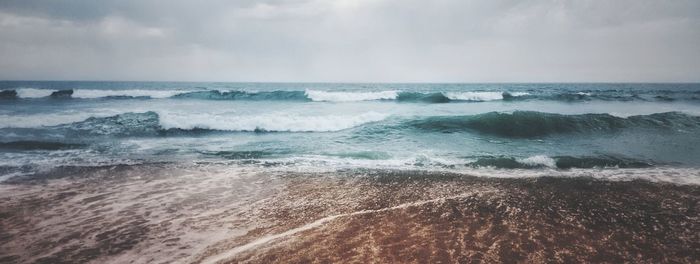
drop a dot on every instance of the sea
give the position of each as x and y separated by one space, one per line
176 172
606 130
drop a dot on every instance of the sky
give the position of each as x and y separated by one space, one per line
351 40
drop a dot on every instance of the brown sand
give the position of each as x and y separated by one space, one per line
210 213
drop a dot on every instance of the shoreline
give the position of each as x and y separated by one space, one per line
165 213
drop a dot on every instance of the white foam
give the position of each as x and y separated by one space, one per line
475 96
33 93
268 122
91 93
319 164
516 94
539 160
323 96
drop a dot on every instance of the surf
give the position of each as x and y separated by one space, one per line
529 124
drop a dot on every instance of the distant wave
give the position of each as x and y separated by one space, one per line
307 95
36 93
241 95
528 124
88 94
436 97
311 95
321 96
31 93
481 96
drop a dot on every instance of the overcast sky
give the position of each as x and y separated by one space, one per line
355 41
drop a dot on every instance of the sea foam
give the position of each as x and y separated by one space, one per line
94 93
350 96
281 122
474 96
539 160
33 93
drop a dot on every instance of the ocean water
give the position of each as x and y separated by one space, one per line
614 131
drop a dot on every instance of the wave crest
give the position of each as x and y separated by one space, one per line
323 96
163 124
423 97
34 93
355 96
278 122
156 94
241 95
474 96
528 124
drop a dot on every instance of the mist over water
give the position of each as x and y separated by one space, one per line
537 128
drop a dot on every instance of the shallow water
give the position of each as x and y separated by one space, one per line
218 213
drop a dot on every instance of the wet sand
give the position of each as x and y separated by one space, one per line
166 213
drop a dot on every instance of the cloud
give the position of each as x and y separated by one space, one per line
346 40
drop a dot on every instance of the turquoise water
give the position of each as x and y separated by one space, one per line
529 127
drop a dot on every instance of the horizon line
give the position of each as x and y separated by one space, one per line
370 82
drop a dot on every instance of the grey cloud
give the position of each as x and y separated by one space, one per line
346 40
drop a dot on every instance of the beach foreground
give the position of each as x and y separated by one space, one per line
208 213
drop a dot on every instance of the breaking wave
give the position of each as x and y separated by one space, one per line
435 97
89 94
323 96
31 93
311 95
528 124
518 124
274 122
164 124
241 95
34 93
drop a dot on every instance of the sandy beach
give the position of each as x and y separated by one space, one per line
167 213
